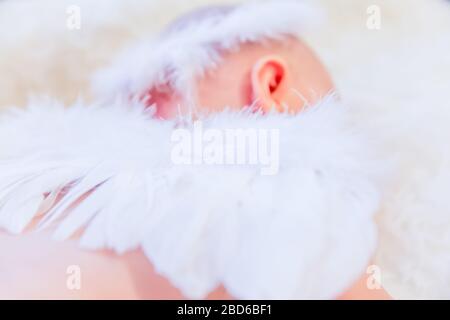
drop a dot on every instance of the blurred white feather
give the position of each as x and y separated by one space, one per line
307 232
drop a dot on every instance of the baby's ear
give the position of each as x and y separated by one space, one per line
270 83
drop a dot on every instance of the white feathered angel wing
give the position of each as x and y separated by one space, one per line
306 232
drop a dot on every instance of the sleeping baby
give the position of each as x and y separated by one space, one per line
96 193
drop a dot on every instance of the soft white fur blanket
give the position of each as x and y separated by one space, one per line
397 78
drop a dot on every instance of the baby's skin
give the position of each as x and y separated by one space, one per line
36 267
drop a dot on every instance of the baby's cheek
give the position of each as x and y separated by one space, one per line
166 110
168 104
217 93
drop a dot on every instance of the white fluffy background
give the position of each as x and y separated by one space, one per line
401 77
40 55
400 74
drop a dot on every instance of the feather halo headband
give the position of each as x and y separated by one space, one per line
189 48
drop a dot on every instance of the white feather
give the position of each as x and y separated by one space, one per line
180 56
306 232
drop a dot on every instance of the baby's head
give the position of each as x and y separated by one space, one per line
228 57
